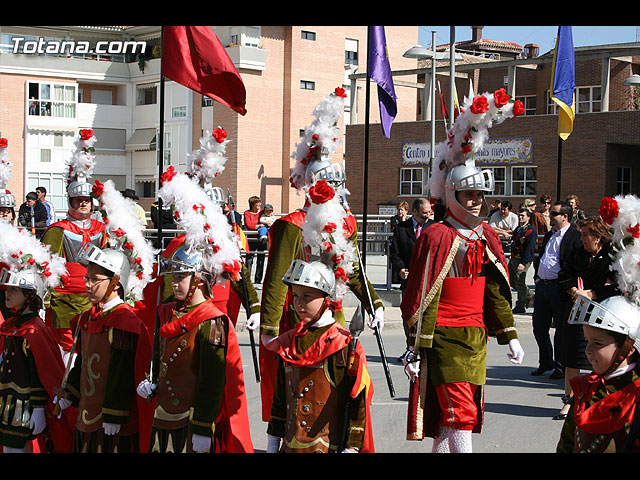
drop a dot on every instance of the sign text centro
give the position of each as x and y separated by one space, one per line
498 151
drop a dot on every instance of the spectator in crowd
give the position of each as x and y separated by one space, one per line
131 193
251 223
537 219
494 207
31 209
401 216
578 215
266 220
233 217
523 247
545 208
166 216
403 239
504 221
550 302
51 211
588 273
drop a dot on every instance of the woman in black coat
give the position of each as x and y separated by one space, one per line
587 274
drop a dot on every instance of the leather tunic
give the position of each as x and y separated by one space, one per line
15 385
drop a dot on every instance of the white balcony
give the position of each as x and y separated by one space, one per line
249 58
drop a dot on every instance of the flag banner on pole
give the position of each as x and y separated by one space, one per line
563 81
443 104
380 72
193 56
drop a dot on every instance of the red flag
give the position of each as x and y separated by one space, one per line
193 56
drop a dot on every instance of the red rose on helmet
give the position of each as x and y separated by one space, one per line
518 108
608 210
634 231
340 92
86 134
4 143
98 188
500 97
321 192
340 273
169 174
479 105
219 134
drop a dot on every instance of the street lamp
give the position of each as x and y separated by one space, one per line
633 80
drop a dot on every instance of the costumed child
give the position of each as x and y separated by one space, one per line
31 363
112 343
196 376
68 235
458 291
323 391
287 241
604 416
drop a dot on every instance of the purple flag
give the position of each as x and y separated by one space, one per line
380 72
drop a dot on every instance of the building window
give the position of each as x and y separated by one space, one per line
523 181
588 99
206 101
529 103
500 181
307 85
167 148
146 95
55 185
623 181
52 100
350 52
306 35
179 112
411 181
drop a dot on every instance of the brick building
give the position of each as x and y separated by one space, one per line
600 158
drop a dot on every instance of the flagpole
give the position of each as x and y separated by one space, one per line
365 175
559 173
160 148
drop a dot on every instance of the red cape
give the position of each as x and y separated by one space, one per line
234 415
48 358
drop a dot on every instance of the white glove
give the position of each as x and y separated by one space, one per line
350 450
253 321
515 354
145 388
62 403
200 443
273 444
38 421
111 428
411 365
377 320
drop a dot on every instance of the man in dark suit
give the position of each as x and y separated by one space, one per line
404 238
549 302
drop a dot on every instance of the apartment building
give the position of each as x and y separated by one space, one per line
599 159
55 81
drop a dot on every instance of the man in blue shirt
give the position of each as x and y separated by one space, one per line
42 194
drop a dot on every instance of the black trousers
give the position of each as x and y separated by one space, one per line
549 308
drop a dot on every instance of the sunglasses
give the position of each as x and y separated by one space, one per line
555 214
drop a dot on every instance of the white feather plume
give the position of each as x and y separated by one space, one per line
467 136
125 229
5 166
82 162
626 243
20 250
209 160
324 231
323 133
206 228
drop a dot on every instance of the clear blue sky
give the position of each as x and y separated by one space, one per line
543 36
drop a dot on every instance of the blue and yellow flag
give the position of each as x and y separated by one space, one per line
563 81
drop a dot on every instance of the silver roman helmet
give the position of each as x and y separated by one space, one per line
27 279
182 261
216 194
467 177
324 169
313 274
7 199
616 314
114 261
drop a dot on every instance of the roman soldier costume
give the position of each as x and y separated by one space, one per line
198 380
31 363
457 293
112 343
66 238
287 241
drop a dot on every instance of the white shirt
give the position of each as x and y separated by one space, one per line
511 221
550 260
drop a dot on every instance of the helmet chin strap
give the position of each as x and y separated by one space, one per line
113 284
622 353
319 313
193 285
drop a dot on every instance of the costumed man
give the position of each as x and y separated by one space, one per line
604 416
31 363
286 242
458 290
197 375
112 344
323 390
7 203
67 236
204 164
